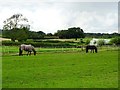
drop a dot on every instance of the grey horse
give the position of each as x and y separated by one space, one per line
28 48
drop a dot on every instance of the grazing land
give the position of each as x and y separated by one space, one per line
60 70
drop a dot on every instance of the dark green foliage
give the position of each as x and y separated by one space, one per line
49 34
15 31
101 42
115 41
101 35
40 44
81 40
87 42
20 34
36 35
10 43
70 33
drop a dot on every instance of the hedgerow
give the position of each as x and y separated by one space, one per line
40 44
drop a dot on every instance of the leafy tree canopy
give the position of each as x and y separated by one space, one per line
15 30
74 32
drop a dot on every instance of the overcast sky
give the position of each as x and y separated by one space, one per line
52 15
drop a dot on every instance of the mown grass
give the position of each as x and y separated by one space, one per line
61 70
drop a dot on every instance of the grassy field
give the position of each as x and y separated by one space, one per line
13 50
61 70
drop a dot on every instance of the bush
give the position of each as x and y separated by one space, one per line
101 42
115 41
10 43
87 42
39 44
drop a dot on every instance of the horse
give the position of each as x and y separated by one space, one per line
92 48
28 48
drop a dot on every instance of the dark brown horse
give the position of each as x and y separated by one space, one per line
92 48
28 48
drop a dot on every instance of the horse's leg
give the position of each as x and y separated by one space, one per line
20 52
96 50
34 52
29 53
86 50
91 50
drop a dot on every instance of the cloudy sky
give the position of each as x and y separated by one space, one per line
52 15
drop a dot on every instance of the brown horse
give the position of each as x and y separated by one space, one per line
28 48
92 48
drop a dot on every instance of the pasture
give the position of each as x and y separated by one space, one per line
60 68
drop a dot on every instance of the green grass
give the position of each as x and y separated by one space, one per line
61 70
13 50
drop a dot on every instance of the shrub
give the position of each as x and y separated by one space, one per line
39 44
101 42
10 43
87 42
115 41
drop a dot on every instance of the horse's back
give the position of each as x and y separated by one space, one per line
26 47
90 46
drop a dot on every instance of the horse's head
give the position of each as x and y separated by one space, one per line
34 52
33 49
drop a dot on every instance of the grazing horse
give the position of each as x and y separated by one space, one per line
28 48
92 48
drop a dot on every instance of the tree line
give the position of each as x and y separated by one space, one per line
22 34
16 31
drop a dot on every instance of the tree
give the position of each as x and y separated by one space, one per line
115 41
22 34
13 22
14 29
36 35
49 34
74 32
101 42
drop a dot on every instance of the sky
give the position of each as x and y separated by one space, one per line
95 16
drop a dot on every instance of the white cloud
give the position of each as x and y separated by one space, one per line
50 17
94 22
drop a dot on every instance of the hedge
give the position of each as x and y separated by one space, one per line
40 44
